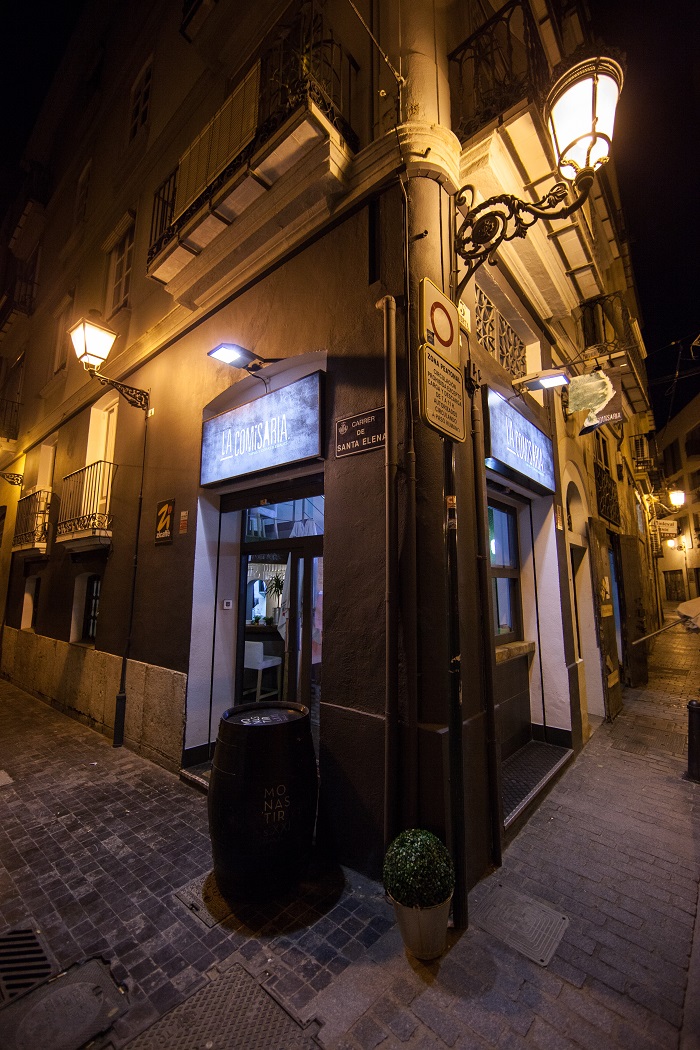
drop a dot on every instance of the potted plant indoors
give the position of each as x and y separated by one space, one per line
419 879
275 587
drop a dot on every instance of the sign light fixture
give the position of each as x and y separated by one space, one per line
544 380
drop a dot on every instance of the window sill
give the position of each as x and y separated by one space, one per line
514 650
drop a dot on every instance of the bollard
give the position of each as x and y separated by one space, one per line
694 740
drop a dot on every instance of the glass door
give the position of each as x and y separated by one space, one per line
280 635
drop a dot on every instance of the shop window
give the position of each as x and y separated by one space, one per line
30 604
86 608
290 520
505 572
140 101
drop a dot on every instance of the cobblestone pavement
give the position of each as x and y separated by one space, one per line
96 843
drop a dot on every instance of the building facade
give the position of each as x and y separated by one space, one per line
452 591
678 527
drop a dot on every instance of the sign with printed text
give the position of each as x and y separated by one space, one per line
360 433
278 428
515 446
439 322
441 395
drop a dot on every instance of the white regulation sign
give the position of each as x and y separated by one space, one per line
441 395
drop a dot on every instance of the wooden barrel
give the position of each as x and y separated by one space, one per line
262 798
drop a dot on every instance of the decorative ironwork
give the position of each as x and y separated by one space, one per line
606 493
504 217
498 338
12 479
86 498
32 522
136 397
301 62
163 207
495 68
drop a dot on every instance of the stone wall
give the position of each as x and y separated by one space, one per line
84 682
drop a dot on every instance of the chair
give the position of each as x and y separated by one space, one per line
256 660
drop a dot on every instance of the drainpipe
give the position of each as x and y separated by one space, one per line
120 704
391 577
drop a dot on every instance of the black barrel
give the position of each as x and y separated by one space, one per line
262 798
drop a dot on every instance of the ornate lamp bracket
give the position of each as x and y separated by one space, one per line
502 218
137 398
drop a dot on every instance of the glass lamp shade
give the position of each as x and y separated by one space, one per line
677 497
92 342
581 115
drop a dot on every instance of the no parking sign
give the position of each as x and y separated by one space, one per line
439 322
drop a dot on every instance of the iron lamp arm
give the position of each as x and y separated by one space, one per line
502 218
136 397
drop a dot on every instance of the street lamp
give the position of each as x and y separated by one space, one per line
237 356
676 497
92 342
544 380
580 114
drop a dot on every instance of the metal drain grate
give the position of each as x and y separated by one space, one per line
531 927
64 1013
233 1011
24 963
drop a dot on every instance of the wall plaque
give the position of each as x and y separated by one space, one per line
441 395
514 446
279 428
360 433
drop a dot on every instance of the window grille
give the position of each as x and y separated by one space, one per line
498 338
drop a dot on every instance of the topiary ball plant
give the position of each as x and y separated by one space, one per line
418 870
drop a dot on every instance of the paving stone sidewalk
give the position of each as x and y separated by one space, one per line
96 843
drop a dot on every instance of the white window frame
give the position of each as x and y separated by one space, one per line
63 316
140 100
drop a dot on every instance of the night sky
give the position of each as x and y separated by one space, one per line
655 149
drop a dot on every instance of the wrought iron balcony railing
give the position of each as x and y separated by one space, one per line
32 522
85 500
498 66
606 493
301 62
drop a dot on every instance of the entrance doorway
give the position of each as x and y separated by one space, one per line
279 641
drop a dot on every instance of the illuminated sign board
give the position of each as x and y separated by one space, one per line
280 428
514 446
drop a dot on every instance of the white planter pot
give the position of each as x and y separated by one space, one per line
424 930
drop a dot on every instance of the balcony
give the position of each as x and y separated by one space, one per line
496 68
17 289
607 329
606 493
298 91
32 523
85 521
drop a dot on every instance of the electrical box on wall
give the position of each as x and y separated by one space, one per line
227 603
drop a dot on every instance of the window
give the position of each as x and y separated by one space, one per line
63 317
601 450
672 459
505 572
81 196
86 608
140 101
692 442
30 605
122 258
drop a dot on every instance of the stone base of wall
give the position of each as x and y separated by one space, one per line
84 682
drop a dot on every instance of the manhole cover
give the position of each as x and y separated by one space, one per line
24 962
63 1014
531 927
203 899
231 1013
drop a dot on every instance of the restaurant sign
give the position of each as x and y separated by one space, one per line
280 428
516 446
